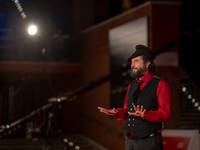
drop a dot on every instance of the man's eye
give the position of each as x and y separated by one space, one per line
134 61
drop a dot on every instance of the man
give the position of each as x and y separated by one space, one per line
145 107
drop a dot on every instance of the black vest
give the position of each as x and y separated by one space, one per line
148 99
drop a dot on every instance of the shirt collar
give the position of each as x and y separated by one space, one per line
146 78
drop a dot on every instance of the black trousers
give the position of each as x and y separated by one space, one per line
149 143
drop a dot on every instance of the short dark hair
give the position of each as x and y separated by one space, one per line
152 67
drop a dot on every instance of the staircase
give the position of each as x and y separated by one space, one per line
190 101
69 142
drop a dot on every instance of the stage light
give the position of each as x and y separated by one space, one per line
196 104
189 96
32 30
63 98
184 89
65 140
71 144
24 16
77 147
193 100
19 7
58 99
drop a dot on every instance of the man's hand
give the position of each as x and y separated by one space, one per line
110 112
138 112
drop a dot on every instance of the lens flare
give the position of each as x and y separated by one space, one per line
32 30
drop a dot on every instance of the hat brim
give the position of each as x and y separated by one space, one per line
134 55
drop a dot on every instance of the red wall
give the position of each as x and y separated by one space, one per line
94 44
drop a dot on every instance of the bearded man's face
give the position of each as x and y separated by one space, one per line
138 68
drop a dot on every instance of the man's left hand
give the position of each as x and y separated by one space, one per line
138 111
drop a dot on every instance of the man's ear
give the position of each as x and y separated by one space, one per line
148 63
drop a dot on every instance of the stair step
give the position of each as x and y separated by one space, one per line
79 142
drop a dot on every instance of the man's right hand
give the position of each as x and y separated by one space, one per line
111 112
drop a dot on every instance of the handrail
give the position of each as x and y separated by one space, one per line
167 47
8 128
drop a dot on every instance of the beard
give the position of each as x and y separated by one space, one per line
140 72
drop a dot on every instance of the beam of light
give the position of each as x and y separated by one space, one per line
32 30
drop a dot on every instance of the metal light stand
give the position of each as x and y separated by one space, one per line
52 125
52 129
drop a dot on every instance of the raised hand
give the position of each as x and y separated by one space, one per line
110 112
138 111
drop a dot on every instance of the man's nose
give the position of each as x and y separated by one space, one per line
132 65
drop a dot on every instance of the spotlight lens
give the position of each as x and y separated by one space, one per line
32 30
184 89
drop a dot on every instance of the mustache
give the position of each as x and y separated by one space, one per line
134 68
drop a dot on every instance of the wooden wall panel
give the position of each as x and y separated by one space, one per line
164 26
95 57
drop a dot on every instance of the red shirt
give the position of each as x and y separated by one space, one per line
164 101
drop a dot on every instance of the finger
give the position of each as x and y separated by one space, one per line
107 111
110 112
134 107
141 108
103 110
143 113
131 113
138 108
100 107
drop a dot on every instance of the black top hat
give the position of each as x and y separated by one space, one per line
142 50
